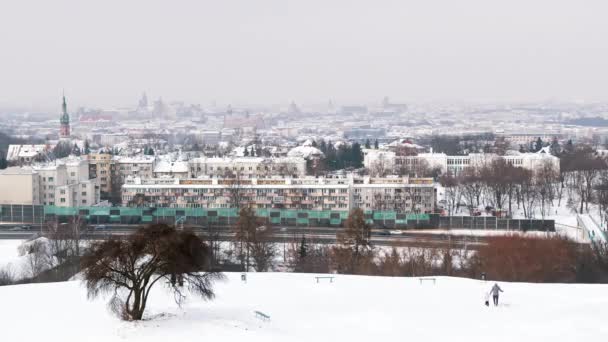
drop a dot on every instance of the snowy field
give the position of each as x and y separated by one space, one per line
352 308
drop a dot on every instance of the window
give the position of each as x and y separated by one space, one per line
84 201
73 174
84 186
62 200
84 193
62 192
50 179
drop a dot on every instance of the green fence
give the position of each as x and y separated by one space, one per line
283 217
203 216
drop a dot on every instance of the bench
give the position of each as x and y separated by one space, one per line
262 316
331 279
427 279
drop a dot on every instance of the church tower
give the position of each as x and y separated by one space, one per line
64 131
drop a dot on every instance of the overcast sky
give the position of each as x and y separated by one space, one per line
105 53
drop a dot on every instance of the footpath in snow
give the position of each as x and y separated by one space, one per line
352 308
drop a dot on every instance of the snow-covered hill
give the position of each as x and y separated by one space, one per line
352 308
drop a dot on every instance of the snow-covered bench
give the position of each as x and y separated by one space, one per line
262 316
331 279
427 279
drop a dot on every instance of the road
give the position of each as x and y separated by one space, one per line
325 235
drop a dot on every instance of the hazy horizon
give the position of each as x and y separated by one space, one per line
106 53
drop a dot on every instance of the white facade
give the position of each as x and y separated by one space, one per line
137 166
247 167
19 186
25 153
66 183
401 194
387 160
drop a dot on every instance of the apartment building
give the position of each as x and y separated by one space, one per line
19 186
380 162
308 193
64 182
136 166
26 154
247 167
100 167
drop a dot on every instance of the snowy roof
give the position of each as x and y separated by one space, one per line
135 159
237 160
165 166
404 143
305 152
24 151
15 170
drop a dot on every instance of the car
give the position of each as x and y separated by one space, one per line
396 232
384 232
100 227
16 228
261 228
26 227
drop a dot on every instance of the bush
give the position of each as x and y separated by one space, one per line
528 259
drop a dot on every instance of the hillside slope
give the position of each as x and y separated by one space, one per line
352 308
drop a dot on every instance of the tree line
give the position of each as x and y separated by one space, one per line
582 179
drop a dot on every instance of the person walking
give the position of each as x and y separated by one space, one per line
495 291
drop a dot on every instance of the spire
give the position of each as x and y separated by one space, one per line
64 106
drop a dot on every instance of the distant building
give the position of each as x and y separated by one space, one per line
210 137
26 154
247 167
64 120
399 194
100 167
174 169
19 186
136 166
64 183
383 161
364 133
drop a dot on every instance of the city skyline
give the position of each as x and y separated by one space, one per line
276 52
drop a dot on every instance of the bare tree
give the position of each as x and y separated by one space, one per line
495 177
39 256
263 249
353 242
380 166
253 241
7 276
546 177
235 187
453 191
472 185
529 193
65 239
128 268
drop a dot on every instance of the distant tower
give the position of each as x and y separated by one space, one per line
143 102
64 130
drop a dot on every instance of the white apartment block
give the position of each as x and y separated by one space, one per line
308 193
64 182
137 166
382 161
247 167
19 186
